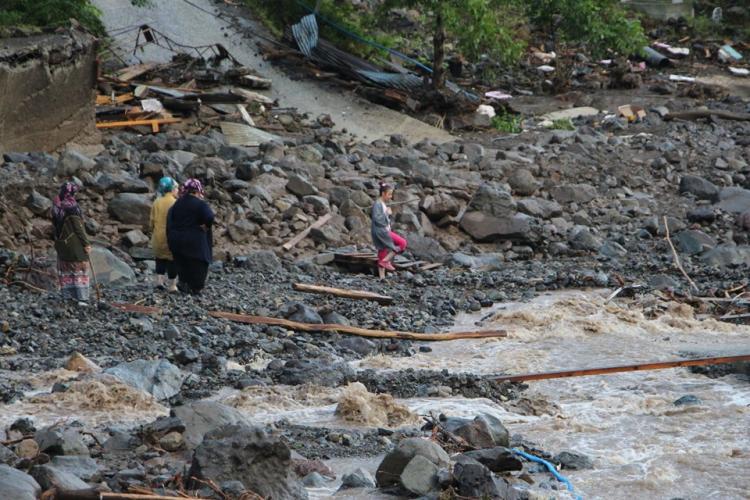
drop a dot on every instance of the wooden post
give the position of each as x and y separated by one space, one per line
340 292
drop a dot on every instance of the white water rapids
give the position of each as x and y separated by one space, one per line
641 444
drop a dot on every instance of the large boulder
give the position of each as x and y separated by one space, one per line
497 459
302 313
159 378
522 182
570 193
17 485
130 208
473 479
726 255
484 431
57 440
238 452
51 477
539 207
38 204
203 416
492 199
82 467
419 476
483 227
72 162
426 248
262 261
393 465
110 270
300 186
439 206
735 200
693 241
7 456
699 187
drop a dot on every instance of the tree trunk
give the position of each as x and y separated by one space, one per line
438 47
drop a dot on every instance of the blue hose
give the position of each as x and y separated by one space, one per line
550 468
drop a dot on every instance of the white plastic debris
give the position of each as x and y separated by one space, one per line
486 110
544 68
497 94
739 71
680 78
152 105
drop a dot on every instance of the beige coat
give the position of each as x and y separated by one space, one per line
159 211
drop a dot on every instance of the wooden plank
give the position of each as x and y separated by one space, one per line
135 308
103 100
362 332
255 82
154 123
127 74
301 236
251 96
706 113
340 292
624 368
245 115
239 134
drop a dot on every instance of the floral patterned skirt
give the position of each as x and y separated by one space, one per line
74 280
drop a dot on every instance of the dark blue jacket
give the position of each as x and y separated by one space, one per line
185 235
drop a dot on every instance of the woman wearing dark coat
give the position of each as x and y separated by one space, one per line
189 236
72 245
386 241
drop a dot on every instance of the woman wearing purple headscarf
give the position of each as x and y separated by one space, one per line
189 236
72 245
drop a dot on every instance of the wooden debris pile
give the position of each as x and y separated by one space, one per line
364 261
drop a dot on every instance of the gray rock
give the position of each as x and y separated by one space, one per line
247 171
262 261
84 468
7 456
319 204
324 373
51 477
734 200
302 313
17 485
439 206
578 193
248 454
314 480
135 237
233 185
699 187
111 270
361 346
172 441
360 478
328 234
60 441
726 255
688 399
523 182
655 225
539 207
203 416
159 378
484 431
425 248
693 242
300 186
390 469
419 476
72 162
474 479
581 239
573 461
242 231
492 200
130 208
38 204
487 228
483 262
497 459
663 282
612 249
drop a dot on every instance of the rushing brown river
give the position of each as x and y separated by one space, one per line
642 445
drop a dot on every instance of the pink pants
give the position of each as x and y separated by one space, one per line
398 241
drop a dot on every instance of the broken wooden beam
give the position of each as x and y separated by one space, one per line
255 82
340 292
92 494
301 236
362 332
660 365
154 123
127 74
136 308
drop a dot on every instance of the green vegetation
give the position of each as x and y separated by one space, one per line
507 122
54 13
562 124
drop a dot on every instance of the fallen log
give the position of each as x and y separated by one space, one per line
92 494
623 368
340 292
154 123
706 113
301 236
362 332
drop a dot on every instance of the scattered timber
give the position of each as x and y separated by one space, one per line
98 495
340 292
301 236
136 308
362 332
660 365
154 123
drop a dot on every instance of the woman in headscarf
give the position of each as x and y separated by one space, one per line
386 241
165 266
72 245
189 236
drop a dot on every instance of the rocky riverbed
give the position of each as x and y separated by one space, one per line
158 399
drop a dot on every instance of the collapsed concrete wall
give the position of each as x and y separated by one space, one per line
46 90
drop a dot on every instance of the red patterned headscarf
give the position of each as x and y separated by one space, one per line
191 186
65 204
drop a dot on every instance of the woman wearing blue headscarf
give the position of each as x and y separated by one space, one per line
167 195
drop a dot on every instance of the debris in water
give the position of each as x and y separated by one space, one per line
358 406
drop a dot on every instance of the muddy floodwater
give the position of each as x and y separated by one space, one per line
642 445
